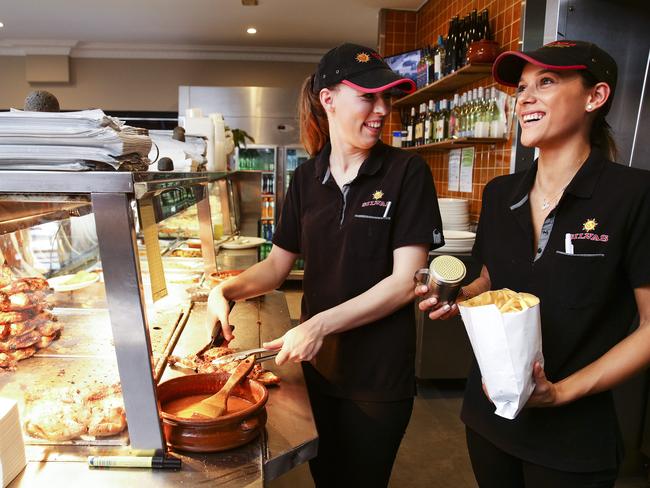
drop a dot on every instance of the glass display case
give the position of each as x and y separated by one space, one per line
92 304
88 327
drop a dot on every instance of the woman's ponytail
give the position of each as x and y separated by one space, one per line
314 128
601 137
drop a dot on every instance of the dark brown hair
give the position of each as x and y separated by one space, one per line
600 135
314 127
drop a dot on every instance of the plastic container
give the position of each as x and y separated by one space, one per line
397 138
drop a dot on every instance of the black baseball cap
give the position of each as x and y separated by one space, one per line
358 67
558 56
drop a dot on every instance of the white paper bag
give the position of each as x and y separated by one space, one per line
506 346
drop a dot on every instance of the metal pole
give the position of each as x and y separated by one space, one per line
114 219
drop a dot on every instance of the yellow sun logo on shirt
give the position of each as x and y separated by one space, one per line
378 195
363 57
589 225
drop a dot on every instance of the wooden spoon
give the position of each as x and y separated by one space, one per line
215 405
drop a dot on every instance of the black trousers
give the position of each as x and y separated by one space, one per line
494 468
358 441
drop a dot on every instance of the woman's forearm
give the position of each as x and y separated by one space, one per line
388 295
262 277
620 363
381 300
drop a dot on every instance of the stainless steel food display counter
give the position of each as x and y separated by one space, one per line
117 330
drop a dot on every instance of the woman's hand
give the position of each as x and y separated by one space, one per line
442 311
301 343
545 393
218 312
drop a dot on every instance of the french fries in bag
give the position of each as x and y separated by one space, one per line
504 328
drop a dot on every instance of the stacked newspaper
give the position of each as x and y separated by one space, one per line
72 141
12 447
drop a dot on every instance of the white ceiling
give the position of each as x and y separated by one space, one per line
77 27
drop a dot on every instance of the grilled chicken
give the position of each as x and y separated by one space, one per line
22 285
66 415
21 301
203 364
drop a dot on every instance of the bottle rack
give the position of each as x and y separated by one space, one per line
456 143
448 84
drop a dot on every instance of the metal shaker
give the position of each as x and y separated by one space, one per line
443 277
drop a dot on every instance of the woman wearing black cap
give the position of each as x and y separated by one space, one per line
363 215
575 231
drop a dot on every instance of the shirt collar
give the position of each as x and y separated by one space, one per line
370 166
582 185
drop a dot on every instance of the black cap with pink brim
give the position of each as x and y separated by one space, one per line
360 68
557 56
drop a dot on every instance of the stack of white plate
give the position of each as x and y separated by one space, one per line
454 213
457 242
12 448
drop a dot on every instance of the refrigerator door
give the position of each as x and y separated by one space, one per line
289 158
595 20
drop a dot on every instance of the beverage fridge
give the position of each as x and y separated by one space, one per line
261 171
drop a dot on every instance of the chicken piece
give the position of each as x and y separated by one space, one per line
7 362
107 417
22 315
188 362
50 328
6 276
22 341
45 341
103 391
217 352
65 414
57 421
267 378
9 359
20 301
24 353
25 285
44 322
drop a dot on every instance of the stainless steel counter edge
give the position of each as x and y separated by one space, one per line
139 183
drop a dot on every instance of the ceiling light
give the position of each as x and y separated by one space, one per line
1 25
251 30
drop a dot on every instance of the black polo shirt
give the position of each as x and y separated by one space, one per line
587 301
347 237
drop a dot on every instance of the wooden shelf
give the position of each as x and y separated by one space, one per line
456 143
450 83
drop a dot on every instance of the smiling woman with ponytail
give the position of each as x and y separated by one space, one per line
363 215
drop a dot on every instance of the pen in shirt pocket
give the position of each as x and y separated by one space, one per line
568 245
388 204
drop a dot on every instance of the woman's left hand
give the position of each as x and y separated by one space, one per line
545 393
301 343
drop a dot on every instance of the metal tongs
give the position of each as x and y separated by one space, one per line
217 338
261 354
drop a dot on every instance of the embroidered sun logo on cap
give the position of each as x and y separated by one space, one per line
589 225
378 195
362 57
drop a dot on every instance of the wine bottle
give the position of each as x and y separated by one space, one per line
409 129
428 123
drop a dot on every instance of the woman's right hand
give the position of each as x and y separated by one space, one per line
437 311
218 312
